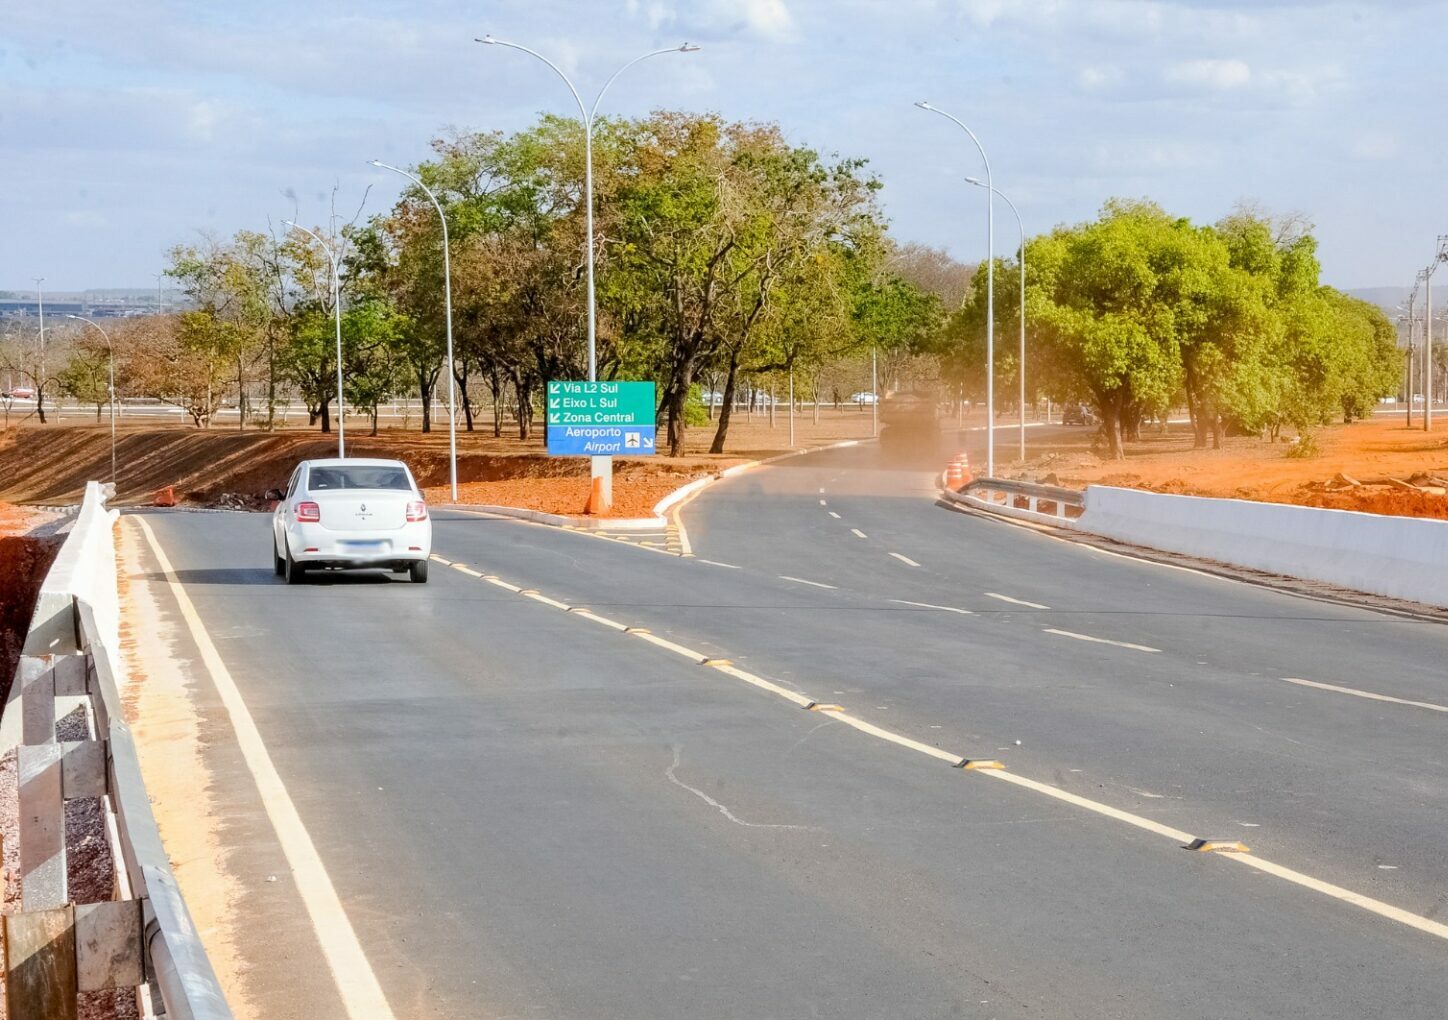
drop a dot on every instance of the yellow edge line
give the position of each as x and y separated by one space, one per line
688 653
760 682
892 737
1337 892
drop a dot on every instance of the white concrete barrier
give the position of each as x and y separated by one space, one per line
1399 557
85 568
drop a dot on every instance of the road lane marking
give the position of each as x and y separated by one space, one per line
817 584
464 569
823 503
1337 892
1100 640
929 605
536 597
726 566
678 649
758 681
858 533
502 584
834 515
589 614
439 559
356 982
1014 602
890 735
1365 694
905 559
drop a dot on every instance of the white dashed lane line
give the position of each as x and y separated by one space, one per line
928 605
716 563
858 533
905 559
1100 640
1366 694
834 515
1015 602
801 580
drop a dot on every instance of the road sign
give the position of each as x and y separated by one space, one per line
600 419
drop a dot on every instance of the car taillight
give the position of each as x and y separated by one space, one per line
417 511
308 512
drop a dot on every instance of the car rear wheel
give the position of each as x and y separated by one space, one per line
418 572
279 565
295 572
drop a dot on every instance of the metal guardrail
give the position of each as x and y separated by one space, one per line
1023 500
143 936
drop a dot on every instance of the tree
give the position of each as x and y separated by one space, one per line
86 376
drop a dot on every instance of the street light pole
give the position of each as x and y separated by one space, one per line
989 290
110 385
600 467
452 411
40 380
1021 369
337 311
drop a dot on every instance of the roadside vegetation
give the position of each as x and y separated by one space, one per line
730 260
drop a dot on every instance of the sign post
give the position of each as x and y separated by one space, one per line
600 420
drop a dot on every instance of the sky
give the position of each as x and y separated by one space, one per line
127 128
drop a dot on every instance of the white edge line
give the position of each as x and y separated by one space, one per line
356 982
726 566
1365 694
1099 640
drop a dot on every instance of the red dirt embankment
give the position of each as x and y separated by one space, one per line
1360 467
24 561
51 466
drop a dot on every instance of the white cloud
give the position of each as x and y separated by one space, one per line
769 18
1376 145
1217 74
1100 76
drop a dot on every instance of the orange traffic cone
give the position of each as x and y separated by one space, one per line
166 497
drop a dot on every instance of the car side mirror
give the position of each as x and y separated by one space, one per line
275 495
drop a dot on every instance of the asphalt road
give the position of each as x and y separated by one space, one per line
526 812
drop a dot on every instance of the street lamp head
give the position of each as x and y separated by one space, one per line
924 104
374 162
974 180
487 40
688 48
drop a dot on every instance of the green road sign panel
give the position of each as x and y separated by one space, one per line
600 418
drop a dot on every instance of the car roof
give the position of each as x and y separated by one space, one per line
353 462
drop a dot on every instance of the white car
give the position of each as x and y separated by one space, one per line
345 513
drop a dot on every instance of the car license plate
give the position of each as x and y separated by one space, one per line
361 545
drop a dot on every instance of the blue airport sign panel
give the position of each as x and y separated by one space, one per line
600 419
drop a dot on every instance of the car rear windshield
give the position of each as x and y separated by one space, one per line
323 479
